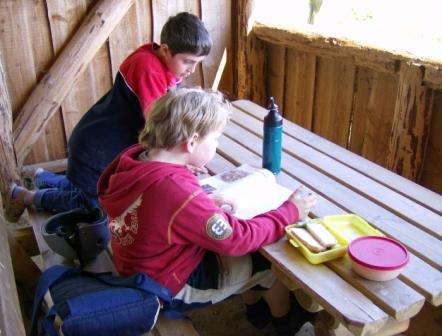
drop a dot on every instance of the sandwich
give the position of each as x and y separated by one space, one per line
307 239
321 234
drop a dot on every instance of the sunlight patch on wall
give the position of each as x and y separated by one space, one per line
411 26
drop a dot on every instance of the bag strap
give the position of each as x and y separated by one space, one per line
144 282
48 322
47 278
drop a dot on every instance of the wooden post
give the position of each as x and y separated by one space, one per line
11 322
412 115
8 167
54 86
250 64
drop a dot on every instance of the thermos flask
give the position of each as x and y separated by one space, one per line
272 142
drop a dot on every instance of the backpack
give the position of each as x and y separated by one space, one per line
98 303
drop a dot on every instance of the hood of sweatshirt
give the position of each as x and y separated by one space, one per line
127 177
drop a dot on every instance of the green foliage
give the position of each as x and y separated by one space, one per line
361 17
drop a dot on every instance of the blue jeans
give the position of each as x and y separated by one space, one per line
56 193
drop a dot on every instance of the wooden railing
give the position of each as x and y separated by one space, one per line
382 105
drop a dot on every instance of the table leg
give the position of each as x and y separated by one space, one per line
306 301
327 325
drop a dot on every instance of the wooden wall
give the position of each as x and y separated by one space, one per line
383 106
356 97
33 34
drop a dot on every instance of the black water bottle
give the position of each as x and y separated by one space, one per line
272 143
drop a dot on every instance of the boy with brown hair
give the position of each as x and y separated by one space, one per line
114 122
163 223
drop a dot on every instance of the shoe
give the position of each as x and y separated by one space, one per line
14 206
37 172
292 322
302 313
258 314
29 177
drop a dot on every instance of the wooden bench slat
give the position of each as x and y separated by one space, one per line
219 164
421 195
402 206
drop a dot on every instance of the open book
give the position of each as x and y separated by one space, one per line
254 189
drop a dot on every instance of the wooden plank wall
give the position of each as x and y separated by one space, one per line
33 33
385 109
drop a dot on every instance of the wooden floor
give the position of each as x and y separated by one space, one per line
228 319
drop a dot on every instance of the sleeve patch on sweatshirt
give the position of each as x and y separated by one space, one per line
218 227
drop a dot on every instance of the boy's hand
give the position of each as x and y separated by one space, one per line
303 201
227 204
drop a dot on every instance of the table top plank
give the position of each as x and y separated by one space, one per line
400 309
351 201
404 207
342 300
394 297
219 164
421 195
239 154
238 142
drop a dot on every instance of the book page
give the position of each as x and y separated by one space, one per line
254 189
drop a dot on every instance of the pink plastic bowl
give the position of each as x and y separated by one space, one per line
377 258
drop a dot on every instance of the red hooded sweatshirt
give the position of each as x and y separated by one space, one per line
162 222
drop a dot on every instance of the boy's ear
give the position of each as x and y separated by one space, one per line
191 143
164 48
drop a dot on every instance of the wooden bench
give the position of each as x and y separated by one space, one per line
103 263
346 183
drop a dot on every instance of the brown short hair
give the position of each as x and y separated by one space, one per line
186 33
176 116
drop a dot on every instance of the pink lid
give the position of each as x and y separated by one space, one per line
380 253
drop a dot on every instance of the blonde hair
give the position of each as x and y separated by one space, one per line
176 116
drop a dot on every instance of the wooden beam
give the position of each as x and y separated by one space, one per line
11 322
8 168
249 73
411 122
54 86
55 166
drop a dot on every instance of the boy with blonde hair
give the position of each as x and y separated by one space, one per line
163 224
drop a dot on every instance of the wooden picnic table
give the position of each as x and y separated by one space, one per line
346 183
